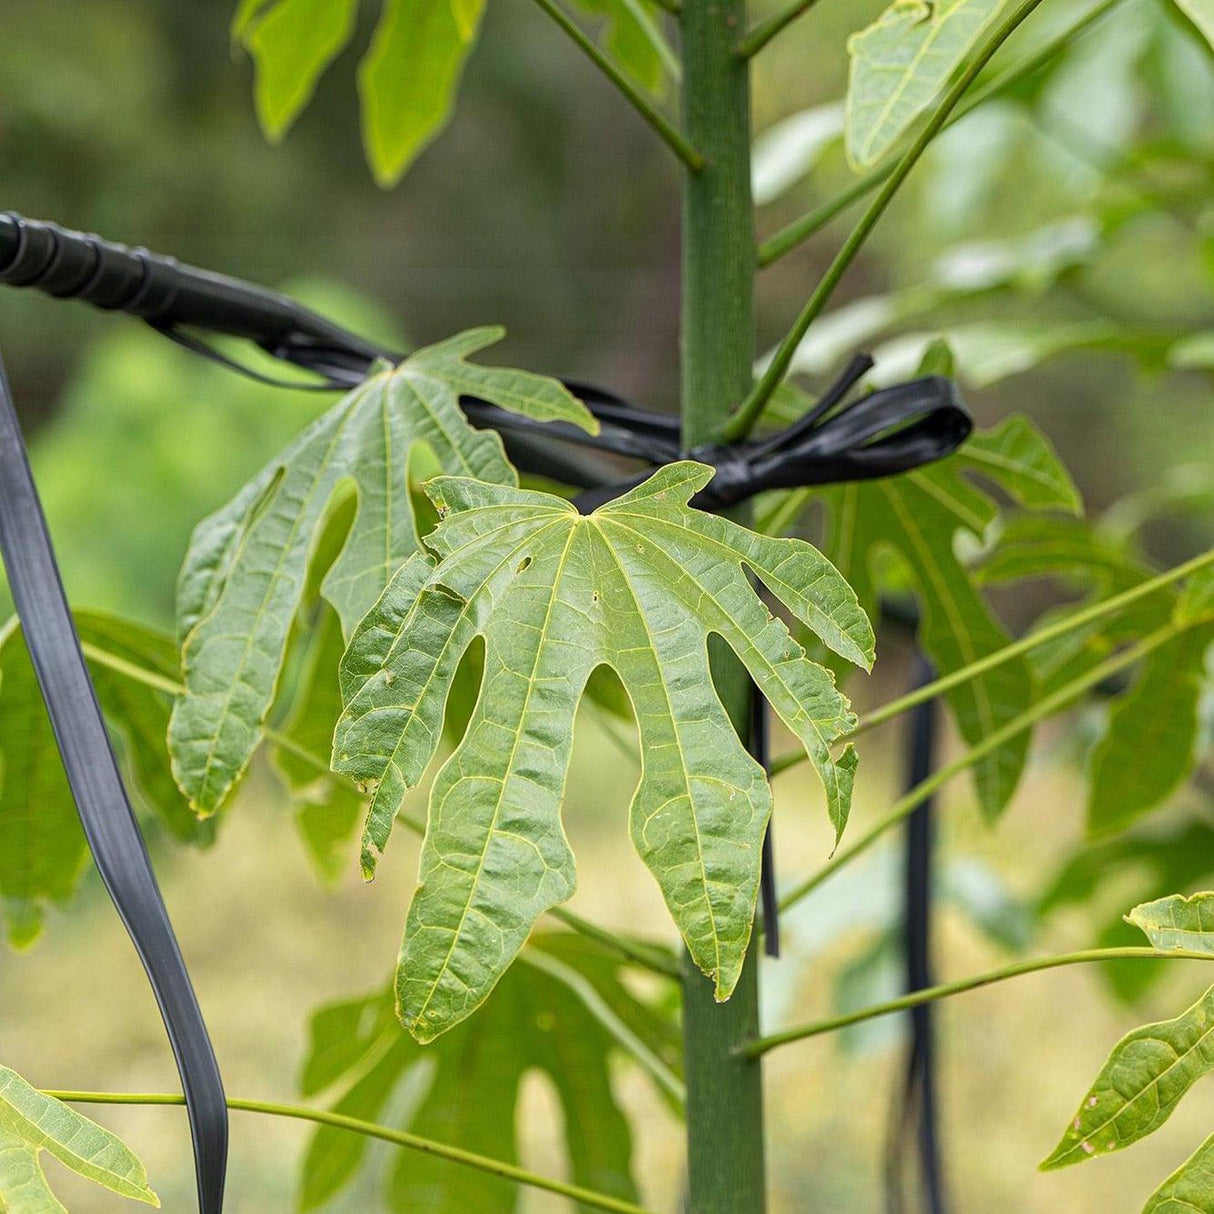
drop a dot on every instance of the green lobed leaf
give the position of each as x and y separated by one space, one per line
470 1080
31 1123
408 79
917 516
1143 1081
638 585
1177 922
1190 1189
246 570
42 848
901 62
292 42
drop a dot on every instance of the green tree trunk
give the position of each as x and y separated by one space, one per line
724 1091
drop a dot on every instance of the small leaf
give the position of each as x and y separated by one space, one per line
31 1123
468 1097
1144 1079
900 63
408 79
1177 922
635 40
292 43
245 573
638 585
1190 1189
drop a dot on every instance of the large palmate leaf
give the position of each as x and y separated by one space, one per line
42 846
246 570
31 1123
901 62
1201 14
1190 1189
638 585
917 517
565 1016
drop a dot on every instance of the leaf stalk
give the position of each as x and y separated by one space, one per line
400 1138
765 31
944 990
748 413
800 230
667 131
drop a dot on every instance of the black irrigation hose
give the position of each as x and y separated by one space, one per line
874 435
105 812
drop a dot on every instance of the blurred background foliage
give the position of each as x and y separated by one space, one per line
1062 236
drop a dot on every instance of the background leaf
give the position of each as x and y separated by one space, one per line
1190 1189
292 43
469 1083
1144 1079
42 848
901 62
408 79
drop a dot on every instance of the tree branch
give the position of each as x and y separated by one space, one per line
765 31
663 126
931 993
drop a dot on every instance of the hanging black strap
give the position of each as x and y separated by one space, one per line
760 750
105 811
917 1119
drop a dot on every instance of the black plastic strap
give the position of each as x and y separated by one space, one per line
760 750
105 811
918 1118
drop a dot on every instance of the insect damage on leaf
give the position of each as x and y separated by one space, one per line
639 586
246 570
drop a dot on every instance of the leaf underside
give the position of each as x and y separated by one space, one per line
900 63
245 573
31 1123
638 586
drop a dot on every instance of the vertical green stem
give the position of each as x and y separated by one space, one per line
724 1089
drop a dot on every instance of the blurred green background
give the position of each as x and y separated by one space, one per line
547 206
